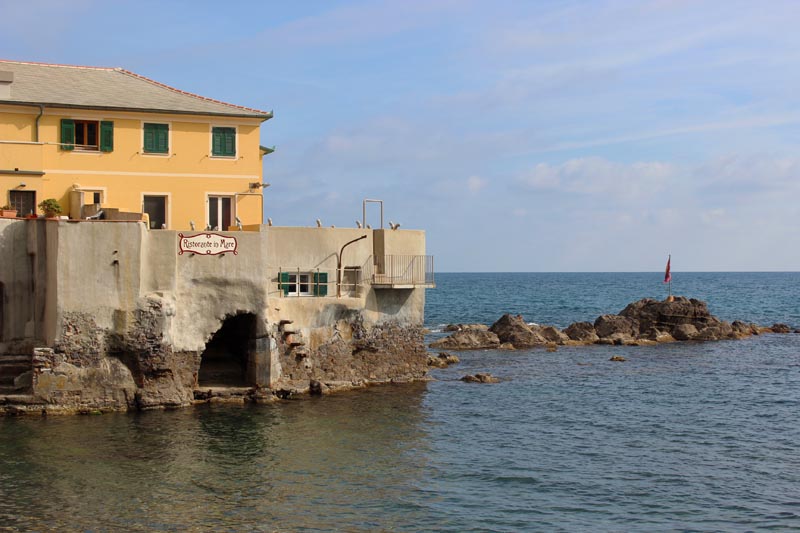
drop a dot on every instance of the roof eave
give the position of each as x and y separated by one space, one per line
262 116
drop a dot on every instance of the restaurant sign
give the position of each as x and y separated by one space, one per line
206 244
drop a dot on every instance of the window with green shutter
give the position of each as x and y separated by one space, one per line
67 134
156 138
223 142
285 285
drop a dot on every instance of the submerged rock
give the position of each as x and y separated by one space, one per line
617 358
480 378
465 327
780 328
442 360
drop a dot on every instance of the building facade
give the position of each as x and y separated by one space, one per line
122 304
108 139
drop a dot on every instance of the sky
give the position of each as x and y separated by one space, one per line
522 136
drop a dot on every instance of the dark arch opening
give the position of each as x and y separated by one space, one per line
225 360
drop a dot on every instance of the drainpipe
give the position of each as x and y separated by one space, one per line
36 126
339 266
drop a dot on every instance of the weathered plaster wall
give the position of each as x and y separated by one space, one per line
120 291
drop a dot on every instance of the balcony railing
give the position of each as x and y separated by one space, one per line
401 271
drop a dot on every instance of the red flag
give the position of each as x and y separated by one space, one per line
667 274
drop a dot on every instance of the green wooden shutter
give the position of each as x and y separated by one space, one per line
156 138
230 142
320 283
162 138
106 136
149 139
67 134
285 283
223 142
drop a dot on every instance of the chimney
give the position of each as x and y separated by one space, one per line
6 79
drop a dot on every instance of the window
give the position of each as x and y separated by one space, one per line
156 138
156 209
23 201
223 142
220 212
87 135
304 283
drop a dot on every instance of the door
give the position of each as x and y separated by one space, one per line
220 212
156 209
24 202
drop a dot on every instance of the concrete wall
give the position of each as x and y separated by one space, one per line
93 290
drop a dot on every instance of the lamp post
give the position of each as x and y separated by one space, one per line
339 265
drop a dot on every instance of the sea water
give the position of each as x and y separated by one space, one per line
685 436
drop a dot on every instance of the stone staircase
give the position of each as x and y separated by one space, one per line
11 367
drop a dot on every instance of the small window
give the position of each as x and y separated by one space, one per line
223 142
304 283
87 135
156 138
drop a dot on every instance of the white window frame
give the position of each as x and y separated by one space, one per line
232 195
295 291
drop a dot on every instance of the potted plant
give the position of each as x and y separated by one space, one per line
8 212
50 207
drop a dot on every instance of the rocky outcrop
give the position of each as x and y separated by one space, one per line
614 327
472 339
582 332
514 330
641 323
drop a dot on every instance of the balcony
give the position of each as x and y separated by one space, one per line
401 272
21 158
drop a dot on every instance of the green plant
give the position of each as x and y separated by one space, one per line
50 207
7 208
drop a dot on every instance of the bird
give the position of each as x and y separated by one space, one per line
394 226
238 223
208 227
269 222
319 223
333 226
369 227
358 224
191 224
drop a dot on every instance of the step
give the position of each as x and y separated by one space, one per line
7 358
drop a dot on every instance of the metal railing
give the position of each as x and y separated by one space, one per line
401 270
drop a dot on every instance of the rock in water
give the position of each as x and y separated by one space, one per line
616 327
582 332
480 378
514 330
442 360
472 339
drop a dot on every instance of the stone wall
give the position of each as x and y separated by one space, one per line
127 318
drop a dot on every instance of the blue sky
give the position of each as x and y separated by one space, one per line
523 136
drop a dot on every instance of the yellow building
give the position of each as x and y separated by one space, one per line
105 139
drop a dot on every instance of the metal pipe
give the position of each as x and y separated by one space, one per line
364 211
36 125
339 266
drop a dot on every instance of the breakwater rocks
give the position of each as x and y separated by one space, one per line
641 323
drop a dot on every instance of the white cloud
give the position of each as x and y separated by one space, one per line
475 184
599 176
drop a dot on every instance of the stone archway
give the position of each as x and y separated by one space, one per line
225 361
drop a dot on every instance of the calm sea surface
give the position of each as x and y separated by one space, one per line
688 437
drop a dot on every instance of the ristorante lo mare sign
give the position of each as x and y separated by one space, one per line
206 244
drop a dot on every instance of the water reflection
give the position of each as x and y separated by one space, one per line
350 458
